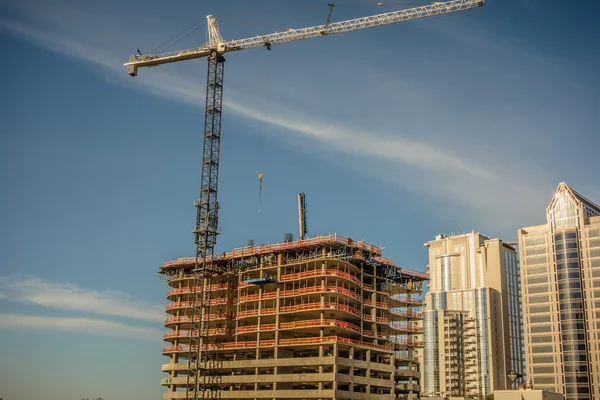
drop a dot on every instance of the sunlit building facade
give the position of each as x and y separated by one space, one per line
560 263
473 322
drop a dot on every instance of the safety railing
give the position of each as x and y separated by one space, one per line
320 306
188 289
188 319
187 304
288 246
380 335
407 342
320 272
320 289
271 343
406 272
368 317
404 313
407 300
405 328
379 304
186 333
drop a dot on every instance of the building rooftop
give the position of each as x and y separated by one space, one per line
359 248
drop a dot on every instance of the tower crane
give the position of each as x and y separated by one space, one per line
201 382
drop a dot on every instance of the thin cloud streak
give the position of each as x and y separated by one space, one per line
61 45
346 139
411 164
19 322
70 297
416 154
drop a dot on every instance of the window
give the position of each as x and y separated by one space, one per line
541 240
539 309
543 370
536 270
570 315
574 347
541 349
536 260
569 295
542 359
592 233
569 285
541 339
539 289
565 245
537 279
575 368
538 299
535 251
573 336
544 379
541 329
540 319
570 275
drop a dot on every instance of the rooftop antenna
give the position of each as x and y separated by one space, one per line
302 215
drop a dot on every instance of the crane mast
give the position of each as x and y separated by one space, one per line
202 379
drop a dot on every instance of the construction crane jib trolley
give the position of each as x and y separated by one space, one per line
201 382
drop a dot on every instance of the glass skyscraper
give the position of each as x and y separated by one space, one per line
473 322
560 263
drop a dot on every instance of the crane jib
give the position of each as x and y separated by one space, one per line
290 35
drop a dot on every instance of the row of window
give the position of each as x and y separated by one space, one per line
565 235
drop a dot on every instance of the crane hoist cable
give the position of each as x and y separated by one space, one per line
179 34
260 179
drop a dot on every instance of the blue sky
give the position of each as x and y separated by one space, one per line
461 122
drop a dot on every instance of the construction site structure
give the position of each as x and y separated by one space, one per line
207 207
321 318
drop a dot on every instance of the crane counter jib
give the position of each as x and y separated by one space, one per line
216 44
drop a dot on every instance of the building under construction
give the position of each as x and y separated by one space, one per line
320 318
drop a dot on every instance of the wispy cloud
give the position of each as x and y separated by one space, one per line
466 172
410 152
70 297
90 326
60 44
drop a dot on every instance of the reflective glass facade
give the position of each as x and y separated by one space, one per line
560 276
481 312
431 353
473 321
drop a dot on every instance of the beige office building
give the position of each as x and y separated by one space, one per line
560 263
473 323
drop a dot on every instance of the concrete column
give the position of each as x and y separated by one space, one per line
368 373
335 367
321 351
